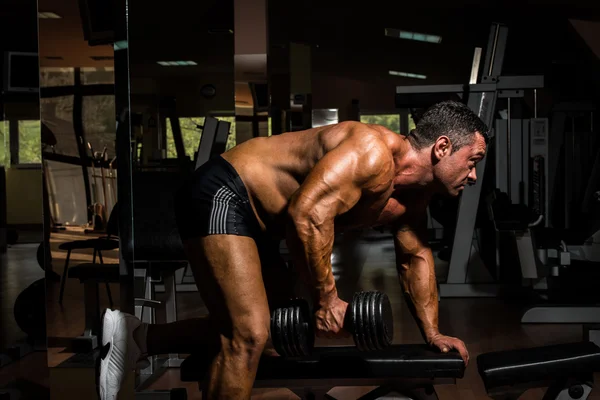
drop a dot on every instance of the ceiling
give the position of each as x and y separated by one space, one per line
346 40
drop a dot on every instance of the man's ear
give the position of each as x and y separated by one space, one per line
442 147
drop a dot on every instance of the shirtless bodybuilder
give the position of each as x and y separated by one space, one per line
301 187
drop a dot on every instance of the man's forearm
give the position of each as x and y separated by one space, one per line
420 289
310 249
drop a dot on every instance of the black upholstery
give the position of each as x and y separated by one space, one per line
397 361
508 368
95 272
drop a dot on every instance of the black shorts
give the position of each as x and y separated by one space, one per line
214 201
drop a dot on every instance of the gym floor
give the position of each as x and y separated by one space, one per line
484 324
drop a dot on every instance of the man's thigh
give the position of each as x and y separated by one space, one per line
227 270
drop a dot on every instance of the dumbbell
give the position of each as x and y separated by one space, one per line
368 317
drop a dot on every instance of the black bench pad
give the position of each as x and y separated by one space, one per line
345 362
512 367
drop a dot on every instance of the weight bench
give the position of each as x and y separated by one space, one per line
566 369
411 370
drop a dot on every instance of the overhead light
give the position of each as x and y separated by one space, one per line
419 37
48 15
175 63
408 75
120 45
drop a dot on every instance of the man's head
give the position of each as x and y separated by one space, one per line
455 138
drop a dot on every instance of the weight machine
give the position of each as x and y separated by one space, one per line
481 97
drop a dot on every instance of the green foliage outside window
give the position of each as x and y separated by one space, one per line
390 121
191 133
4 143
30 142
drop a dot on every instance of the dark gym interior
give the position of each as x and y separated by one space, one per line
107 106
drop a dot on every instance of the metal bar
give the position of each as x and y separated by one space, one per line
206 140
475 66
500 47
178 139
124 156
80 140
503 83
418 89
92 307
13 141
484 106
520 82
220 142
170 303
490 52
508 155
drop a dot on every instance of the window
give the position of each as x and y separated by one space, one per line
57 114
30 146
99 122
191 133
4 143
97 75
52 77
390 121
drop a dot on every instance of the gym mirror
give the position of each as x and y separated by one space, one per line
77 112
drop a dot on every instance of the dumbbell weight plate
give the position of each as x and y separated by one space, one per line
276 331
288 332
358 319
385 331
372 320
291 332
295 330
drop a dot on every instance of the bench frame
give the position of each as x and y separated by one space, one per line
313 389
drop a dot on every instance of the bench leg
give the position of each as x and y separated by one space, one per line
63 278
568 391
171 310
93 325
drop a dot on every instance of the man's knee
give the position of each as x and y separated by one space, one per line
249 339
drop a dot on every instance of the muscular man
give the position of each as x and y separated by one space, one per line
302 187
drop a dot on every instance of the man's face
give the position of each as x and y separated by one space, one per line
456 169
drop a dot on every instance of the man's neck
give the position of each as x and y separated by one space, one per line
413 169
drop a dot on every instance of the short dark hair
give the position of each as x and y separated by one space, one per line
449 118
